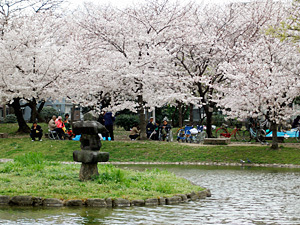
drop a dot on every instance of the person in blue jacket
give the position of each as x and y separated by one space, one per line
109 120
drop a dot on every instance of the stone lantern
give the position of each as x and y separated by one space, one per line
89 155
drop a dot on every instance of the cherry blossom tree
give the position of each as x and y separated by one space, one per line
32 54
290 25
262 82
211 34
127 57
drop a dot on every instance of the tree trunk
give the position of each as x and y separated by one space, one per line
191 115
35 113
143 135
180 115
209 114
4 110
23 127
40 110
274 127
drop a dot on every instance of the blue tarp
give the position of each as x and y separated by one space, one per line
76 138
283 134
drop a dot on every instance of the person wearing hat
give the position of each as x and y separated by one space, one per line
59 127
150 127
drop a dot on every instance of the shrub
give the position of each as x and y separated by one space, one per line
127 121
218 120
47 113
10 118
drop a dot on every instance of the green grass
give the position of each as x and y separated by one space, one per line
12 128
31 174
152 151
147 151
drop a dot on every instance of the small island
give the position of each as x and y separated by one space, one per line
30 180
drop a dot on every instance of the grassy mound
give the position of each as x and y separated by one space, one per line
31 174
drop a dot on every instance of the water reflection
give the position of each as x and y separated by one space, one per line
239 196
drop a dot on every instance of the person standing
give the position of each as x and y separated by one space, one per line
36 131
150 127
109 120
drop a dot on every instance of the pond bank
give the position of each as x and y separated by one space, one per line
207 164
101 203
274 165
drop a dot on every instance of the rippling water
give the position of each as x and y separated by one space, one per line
239 196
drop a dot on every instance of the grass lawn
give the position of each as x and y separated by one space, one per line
152 151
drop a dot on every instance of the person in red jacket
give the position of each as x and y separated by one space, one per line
59 127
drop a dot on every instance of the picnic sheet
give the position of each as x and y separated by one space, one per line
283 134
76 138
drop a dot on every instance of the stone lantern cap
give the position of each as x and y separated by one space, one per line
88 127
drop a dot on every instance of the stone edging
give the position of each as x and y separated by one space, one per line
102 203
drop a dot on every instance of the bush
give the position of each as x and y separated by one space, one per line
10 118
218 119
47 113
127 121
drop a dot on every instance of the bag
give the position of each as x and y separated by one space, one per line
194 131
64 129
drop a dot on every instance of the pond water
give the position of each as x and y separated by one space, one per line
239 196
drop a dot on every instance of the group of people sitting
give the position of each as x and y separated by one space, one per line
61 127
152 130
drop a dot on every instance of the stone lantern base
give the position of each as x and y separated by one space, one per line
88 171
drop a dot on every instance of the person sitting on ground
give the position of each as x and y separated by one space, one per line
51 124
150 127
134 133
59 127
165 129
36 131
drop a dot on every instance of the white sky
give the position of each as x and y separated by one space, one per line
122 3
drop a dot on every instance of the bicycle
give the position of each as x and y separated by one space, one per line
223 132
257 134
